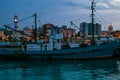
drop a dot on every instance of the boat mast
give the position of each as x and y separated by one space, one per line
93 31
35 31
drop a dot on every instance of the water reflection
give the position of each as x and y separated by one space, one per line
60 70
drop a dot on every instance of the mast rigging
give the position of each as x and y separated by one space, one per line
93 28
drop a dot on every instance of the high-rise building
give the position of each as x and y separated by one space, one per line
86 29
98 29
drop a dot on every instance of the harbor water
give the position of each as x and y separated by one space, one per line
107 69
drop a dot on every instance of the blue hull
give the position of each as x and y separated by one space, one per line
90 52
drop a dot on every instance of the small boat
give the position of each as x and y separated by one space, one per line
53 48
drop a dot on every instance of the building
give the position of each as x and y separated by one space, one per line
52 34
110 28
27 31
2 34
116 34
68 34
51 30
46 30
86 29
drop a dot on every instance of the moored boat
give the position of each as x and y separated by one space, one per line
33 51
52 49
88 52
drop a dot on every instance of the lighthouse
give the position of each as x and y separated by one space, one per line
15 34
16 22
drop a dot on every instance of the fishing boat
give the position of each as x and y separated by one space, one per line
46 51
53 48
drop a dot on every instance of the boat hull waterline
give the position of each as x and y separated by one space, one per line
90 52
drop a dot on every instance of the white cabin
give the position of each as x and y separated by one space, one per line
54 42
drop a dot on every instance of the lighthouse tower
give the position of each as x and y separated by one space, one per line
16 22
15 34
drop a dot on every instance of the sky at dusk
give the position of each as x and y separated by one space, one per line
60 12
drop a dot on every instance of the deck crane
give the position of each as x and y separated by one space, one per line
35 30
7 26
71 22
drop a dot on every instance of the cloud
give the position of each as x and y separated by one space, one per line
78 3
108 4
115 3
59 11
102 5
